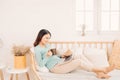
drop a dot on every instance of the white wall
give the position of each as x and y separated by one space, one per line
20 21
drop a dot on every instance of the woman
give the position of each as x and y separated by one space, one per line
55 64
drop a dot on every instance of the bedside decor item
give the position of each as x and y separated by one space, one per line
20 56
81 28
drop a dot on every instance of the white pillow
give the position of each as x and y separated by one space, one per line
41 69
77 52
98 57
61 51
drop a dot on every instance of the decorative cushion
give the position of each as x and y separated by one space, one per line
114 58
98 57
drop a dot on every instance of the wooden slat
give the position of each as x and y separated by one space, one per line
84 43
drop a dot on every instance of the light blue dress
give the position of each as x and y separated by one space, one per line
43 60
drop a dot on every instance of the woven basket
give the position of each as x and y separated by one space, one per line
19 62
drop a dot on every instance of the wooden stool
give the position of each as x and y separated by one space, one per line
16 72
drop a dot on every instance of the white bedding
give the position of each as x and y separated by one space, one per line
78 75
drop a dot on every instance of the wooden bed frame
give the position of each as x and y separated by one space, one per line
33 71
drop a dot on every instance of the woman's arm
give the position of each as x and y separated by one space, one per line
40 60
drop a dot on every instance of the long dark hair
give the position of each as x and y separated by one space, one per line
41 33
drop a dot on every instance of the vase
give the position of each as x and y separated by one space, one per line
19 62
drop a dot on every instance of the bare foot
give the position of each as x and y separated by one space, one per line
102 75
104 70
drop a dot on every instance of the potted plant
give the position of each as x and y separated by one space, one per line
20 56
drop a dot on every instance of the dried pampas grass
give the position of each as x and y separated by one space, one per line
20 50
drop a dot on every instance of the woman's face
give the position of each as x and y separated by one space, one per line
45 39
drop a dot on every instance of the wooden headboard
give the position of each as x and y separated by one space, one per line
83 43
97 44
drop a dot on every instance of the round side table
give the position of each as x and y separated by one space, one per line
15 72
1 71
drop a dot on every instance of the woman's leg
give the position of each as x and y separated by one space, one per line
85 62
74 64
66 67
100 72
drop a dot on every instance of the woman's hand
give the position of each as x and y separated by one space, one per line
49 54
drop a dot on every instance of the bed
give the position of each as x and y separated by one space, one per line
78 74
